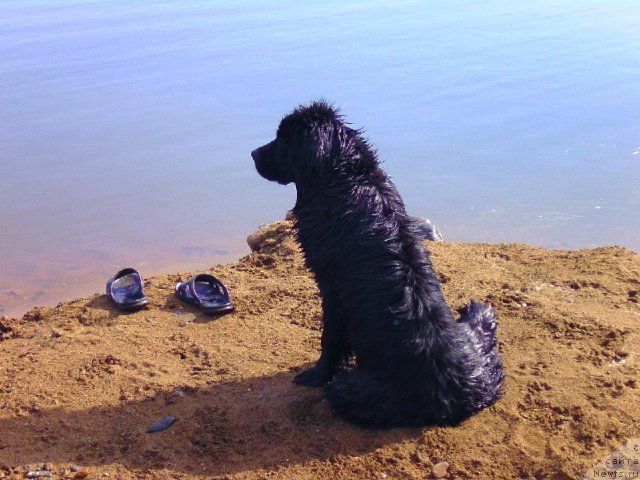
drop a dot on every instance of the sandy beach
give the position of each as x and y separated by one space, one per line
81 382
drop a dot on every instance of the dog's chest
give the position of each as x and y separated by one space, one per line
320 249
323 243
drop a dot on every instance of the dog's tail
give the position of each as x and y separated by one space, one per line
481 321
455 380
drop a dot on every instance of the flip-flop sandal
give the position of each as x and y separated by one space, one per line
125 290
206 292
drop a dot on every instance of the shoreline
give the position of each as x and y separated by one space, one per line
51 284
82 381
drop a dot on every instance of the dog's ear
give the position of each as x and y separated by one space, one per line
352 151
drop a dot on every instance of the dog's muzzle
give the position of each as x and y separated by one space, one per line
269 164
259 153
260 157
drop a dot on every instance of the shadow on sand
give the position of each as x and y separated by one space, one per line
230 427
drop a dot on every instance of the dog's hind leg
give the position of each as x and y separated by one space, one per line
335 348
464 377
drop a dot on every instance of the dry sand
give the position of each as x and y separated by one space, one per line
80 383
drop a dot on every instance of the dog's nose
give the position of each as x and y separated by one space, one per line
255 154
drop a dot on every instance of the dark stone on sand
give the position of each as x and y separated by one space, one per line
160 425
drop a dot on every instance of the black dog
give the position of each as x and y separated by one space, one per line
415 364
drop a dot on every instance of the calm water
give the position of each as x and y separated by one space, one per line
126 127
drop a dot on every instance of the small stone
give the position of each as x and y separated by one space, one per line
76 468
254 241
81 474
174 396
38 474
439 470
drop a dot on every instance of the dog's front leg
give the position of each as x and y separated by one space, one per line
335 347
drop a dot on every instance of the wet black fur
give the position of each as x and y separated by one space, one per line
382 303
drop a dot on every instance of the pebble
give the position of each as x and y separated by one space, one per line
38 474
174 396
440 470
254 241
160 425
81 474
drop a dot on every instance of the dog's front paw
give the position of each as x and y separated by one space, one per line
313 377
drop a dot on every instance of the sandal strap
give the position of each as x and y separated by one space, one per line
211 280
123 273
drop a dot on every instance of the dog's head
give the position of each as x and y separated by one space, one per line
312 142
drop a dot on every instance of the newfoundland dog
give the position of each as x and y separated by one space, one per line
392 352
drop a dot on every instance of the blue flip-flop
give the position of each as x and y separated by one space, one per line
206 292
124 289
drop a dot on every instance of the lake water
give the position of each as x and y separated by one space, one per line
126 127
